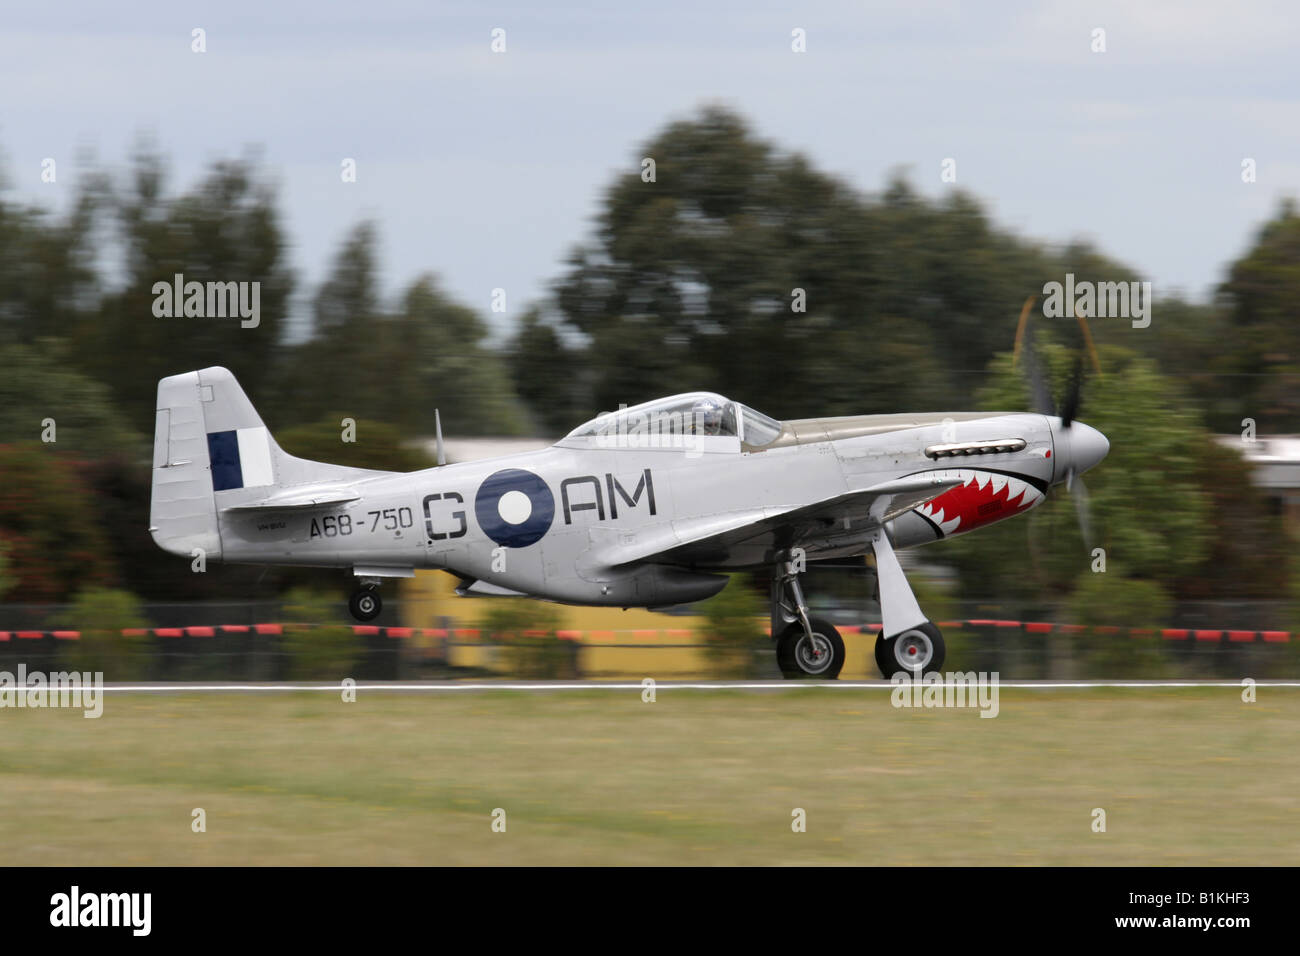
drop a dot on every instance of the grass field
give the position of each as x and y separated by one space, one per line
1185 777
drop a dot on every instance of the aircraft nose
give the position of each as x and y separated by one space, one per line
1087 447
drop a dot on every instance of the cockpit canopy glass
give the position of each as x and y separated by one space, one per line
758 429
679 421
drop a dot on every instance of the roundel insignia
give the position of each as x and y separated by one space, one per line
514 507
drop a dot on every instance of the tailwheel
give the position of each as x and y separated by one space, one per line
821 658
918 650
365 603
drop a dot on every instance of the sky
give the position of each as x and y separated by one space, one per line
486 168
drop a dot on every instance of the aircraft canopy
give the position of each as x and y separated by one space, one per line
679 418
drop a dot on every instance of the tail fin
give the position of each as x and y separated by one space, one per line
211 453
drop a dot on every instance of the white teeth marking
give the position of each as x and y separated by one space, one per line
1016 488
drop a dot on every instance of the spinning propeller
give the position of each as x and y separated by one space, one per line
1067 410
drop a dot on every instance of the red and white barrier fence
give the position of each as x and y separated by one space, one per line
649 636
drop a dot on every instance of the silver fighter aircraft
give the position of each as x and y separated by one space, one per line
645 507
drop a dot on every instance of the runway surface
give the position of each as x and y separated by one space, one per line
457 687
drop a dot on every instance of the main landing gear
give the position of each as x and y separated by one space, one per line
907 642
919 650
806 647
365 603
810 648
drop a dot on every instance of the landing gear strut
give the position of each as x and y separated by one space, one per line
365 603
907 642
806 647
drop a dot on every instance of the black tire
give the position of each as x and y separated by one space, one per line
888 655
792 652
365 604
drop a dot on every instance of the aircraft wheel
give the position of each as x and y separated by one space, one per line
821 660
917 650
365 603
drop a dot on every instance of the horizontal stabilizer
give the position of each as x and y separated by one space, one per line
300 498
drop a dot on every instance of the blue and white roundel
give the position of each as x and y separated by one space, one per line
514 507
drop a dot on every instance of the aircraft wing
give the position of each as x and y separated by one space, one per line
750 537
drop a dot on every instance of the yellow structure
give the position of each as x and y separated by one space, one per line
617 644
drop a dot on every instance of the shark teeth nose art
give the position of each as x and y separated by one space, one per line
982 498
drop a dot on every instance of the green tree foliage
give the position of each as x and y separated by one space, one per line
1263 345
47 269
378 445
1250 553
397 365
733 630
318 653
689 283
101 615
1149 509
1102 600
38 384
527 629
226 229
553 377
49 524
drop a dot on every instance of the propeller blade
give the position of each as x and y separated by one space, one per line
1088 343
1070 404
1039 393
1082 509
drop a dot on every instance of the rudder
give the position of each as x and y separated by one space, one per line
208 437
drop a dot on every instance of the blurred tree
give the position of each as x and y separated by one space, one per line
7 580
339 362
1113 600
1263 344
1187 340
47 266
397 367
50 525
551 377
440 355
1250 554
378 445
528 630
331 652
224 230
1149 509
733 630
38 384
745 270
101 615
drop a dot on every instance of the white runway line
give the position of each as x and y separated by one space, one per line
452 687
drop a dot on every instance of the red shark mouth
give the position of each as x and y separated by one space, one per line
983 498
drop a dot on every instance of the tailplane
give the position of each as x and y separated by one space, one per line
212 453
